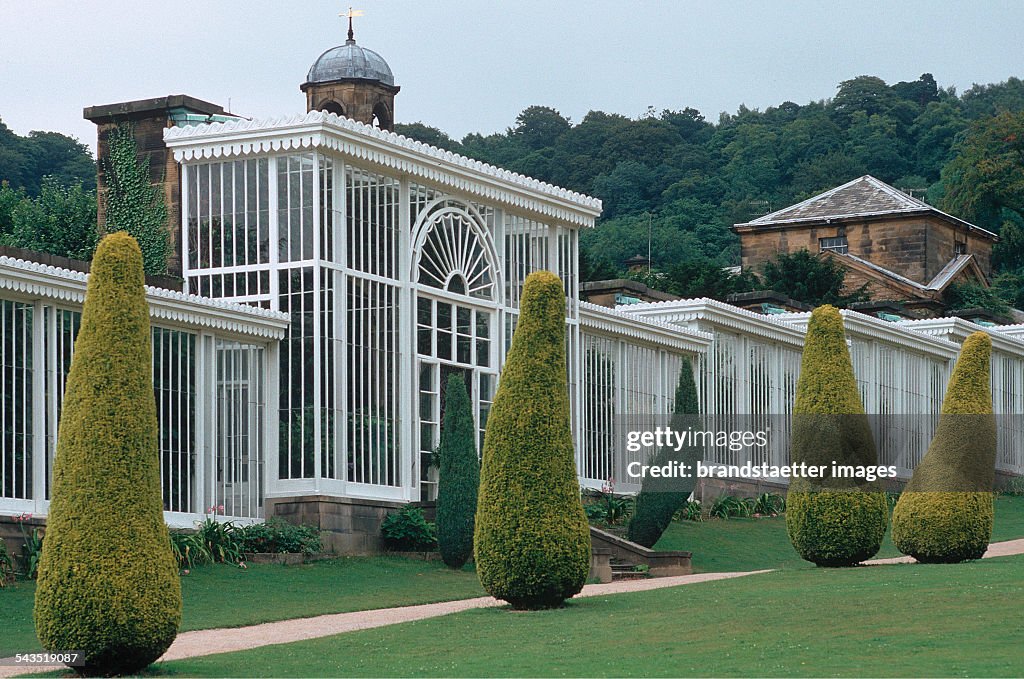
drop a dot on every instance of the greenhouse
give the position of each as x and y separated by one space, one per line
336 274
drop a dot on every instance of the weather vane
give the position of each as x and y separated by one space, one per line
350 14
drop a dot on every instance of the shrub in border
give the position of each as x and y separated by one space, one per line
659 499
831 521
532 541
458 476
946 512
108 581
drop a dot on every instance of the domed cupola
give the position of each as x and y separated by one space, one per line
354 82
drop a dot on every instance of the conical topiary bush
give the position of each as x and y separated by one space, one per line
945 513
532 542
660 498
832 521
458 476
108 583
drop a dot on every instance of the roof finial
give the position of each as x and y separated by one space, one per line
351 13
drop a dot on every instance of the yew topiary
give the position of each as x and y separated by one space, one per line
108 583
945 514
532 542
832 521
459 476
660 498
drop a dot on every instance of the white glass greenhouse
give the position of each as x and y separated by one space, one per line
336 275
399 265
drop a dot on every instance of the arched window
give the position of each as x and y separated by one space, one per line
382 116
333 107
454 257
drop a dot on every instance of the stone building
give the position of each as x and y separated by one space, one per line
900 247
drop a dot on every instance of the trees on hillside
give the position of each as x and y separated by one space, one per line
61 220
697 178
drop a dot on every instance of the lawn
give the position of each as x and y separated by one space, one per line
753 544
225 596
905 620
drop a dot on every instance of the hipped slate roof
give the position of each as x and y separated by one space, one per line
863 197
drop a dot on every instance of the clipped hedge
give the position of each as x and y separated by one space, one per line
532 542
459 477
108 582
659 499
832 521
946 512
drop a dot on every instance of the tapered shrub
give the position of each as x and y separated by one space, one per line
660 498
108 581
832 521
946 512
458 476
532 542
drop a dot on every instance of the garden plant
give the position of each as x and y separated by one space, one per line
108 582
946 512
459 476
532 542
832 521
660 498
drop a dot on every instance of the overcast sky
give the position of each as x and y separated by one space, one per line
472 66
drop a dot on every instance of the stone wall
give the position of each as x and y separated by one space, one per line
347 525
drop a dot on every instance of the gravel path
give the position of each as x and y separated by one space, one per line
224 640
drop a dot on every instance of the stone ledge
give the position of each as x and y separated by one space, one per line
659 564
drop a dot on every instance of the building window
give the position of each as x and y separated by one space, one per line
838 244
959 249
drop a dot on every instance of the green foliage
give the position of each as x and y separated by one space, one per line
945 514
189 550
810 279
26 161
695 279
407 530
108 582
832 522
31 552
695 178
277 536
458 476
769 504
61 220
729 506
659 499
222 540
133 204
690 511
974 296
532 541
604 507
6 565
986 175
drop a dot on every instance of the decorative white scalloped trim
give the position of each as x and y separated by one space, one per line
1006 338
893 332
64 285
600 318
318 129
719 314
